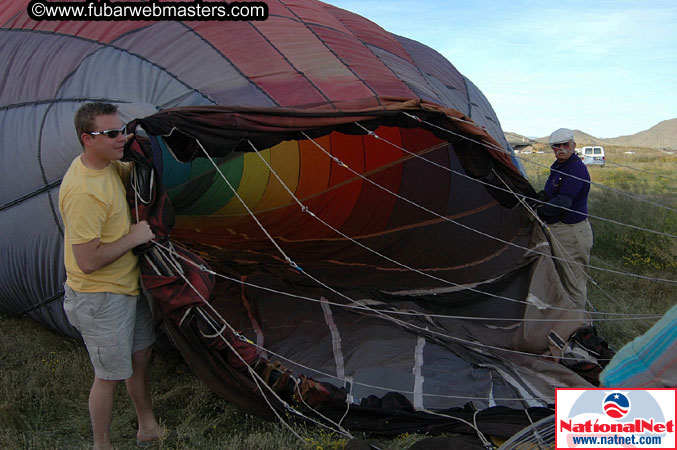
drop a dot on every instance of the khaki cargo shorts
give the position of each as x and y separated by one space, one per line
113 326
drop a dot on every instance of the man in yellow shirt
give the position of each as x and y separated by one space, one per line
102 285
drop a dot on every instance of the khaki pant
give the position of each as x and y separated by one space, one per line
113 326
572 242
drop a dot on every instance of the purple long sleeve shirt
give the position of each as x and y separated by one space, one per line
570 179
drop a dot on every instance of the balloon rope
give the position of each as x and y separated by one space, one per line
406 325
255 376
426 331
305 209
287 258
521 199
554 238
522 196
455 223
375 252
317 371
617 272
502 150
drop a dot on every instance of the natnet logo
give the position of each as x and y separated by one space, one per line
616 405
608 418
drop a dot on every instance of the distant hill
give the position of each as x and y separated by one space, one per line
514 138
661 136
582 139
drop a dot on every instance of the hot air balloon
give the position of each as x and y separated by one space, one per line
347 194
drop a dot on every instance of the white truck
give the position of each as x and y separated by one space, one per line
593 155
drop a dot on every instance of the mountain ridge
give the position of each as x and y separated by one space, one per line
662 136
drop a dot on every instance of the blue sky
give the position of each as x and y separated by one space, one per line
605 67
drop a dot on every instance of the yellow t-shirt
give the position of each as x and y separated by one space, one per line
93 205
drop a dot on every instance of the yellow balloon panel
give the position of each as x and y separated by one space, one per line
255 176
285 161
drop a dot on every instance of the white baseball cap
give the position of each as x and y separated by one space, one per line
561 136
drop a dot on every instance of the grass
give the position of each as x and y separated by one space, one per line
44 386
45 376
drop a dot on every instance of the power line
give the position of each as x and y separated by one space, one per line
640 170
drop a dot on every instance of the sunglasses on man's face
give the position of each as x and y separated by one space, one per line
110 133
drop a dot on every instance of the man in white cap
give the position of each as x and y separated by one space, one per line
566 215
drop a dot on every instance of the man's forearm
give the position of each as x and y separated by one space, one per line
94 255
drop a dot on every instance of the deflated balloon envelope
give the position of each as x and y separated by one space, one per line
427 237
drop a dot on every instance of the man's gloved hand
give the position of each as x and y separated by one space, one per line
536 202
555 207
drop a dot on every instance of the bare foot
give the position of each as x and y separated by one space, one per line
158 434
